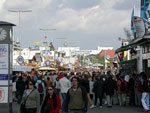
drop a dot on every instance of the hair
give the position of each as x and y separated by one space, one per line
48 78
75 78
33 82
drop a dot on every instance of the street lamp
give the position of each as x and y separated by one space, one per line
20 11
46 29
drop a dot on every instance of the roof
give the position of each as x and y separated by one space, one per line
134 43
111 53
6 23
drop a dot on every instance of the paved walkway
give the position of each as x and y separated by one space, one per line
116 109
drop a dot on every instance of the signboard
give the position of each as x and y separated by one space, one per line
148 63
3 94
47 63
20 59
4 64
139 26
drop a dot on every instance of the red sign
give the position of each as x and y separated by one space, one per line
2 94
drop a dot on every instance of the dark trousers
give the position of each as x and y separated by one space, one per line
132 97
31 110
41 98
100 99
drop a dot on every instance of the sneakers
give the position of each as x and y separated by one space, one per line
101 107
92 106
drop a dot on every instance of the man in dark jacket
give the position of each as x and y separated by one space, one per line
110 86
99 89
76 100
20 87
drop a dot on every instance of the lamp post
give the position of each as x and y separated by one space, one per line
46 29
20 11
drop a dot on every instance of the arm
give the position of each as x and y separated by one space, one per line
58 104
85 98
67 101
37 101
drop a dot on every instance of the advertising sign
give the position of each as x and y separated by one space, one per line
20 59
139 26
4 64
3 94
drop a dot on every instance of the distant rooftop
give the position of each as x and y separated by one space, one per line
6 23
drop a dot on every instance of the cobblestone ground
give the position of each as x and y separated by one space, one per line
105 109
116 109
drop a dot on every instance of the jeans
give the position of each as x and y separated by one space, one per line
109 99
138 96
19 99
41 98
122 99
145 100
76 111
63 95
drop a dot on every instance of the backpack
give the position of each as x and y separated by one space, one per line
122 87
139 85
40 88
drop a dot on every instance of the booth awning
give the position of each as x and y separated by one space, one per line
134 43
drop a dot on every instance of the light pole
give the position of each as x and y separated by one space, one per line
20 11
46 29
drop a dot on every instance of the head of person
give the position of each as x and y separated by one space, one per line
75 81
31 84
48 78
51 90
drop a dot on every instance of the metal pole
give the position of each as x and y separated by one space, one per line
19 32
20 11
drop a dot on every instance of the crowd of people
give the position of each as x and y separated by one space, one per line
76 92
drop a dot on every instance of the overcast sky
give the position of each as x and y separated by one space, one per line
86 23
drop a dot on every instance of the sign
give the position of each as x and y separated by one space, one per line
47 63
139 26
4 64
20 59
3 94
148 63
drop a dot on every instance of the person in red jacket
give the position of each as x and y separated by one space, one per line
52 102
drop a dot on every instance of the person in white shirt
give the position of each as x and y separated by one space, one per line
64 84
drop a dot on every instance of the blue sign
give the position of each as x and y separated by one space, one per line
47 63
20 59
3 76
144 7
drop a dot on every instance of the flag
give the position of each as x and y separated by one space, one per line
132 25
107 61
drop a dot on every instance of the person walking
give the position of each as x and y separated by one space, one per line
99 90
110 87
30 100
41 88
86 85
64 84
121 86
20 87
52 102
145 93
76 100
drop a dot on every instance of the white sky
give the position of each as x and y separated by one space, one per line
86 23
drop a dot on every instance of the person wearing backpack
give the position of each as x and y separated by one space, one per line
121 86
41 88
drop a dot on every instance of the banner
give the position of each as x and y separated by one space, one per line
145 14
4 64
139 26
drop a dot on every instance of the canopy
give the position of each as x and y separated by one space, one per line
46 69
21 68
